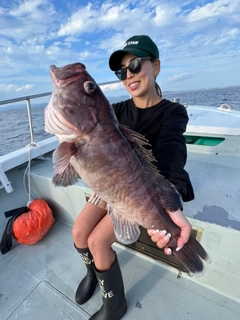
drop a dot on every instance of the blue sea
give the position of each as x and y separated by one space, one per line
14 125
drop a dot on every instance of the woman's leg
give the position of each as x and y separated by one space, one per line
85 223
100 241
108 271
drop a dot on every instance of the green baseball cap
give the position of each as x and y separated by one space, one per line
139 46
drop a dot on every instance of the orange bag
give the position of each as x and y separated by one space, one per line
30 227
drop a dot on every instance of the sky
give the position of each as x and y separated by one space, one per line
199 41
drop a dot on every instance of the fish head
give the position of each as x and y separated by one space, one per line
72 111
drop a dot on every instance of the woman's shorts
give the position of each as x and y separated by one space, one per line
97 201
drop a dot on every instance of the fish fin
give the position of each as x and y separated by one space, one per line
126 231
137 142
169 196
65 174
191 256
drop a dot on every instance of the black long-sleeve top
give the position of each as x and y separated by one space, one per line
163 125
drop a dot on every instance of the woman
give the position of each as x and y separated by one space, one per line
163 124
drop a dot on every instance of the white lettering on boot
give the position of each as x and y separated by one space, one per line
85 258
105 294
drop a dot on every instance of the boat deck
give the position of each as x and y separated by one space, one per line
38 282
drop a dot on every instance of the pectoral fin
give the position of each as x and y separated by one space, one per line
126 231
65 174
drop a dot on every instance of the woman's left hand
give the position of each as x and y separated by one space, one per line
162 238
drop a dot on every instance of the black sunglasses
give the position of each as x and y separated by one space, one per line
134 66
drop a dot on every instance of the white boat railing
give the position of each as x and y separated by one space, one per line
25 154
28 103
34 96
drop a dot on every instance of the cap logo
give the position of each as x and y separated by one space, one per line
128 43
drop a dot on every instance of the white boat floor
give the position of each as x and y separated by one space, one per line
39 282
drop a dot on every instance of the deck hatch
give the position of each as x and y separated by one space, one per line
203 141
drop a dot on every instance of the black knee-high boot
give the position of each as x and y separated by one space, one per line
114 303
88 284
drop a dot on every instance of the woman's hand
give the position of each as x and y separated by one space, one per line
162 237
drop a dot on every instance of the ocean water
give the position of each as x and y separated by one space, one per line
14 125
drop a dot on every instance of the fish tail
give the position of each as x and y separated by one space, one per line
191 256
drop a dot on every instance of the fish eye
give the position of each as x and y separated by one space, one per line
90 87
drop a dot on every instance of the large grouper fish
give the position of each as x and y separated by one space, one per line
112 160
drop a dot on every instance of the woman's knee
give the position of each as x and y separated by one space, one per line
100 242
95 244
87 220
79 233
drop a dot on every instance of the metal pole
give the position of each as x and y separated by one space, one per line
30 121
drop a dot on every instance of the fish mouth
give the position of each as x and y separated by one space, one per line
66 75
